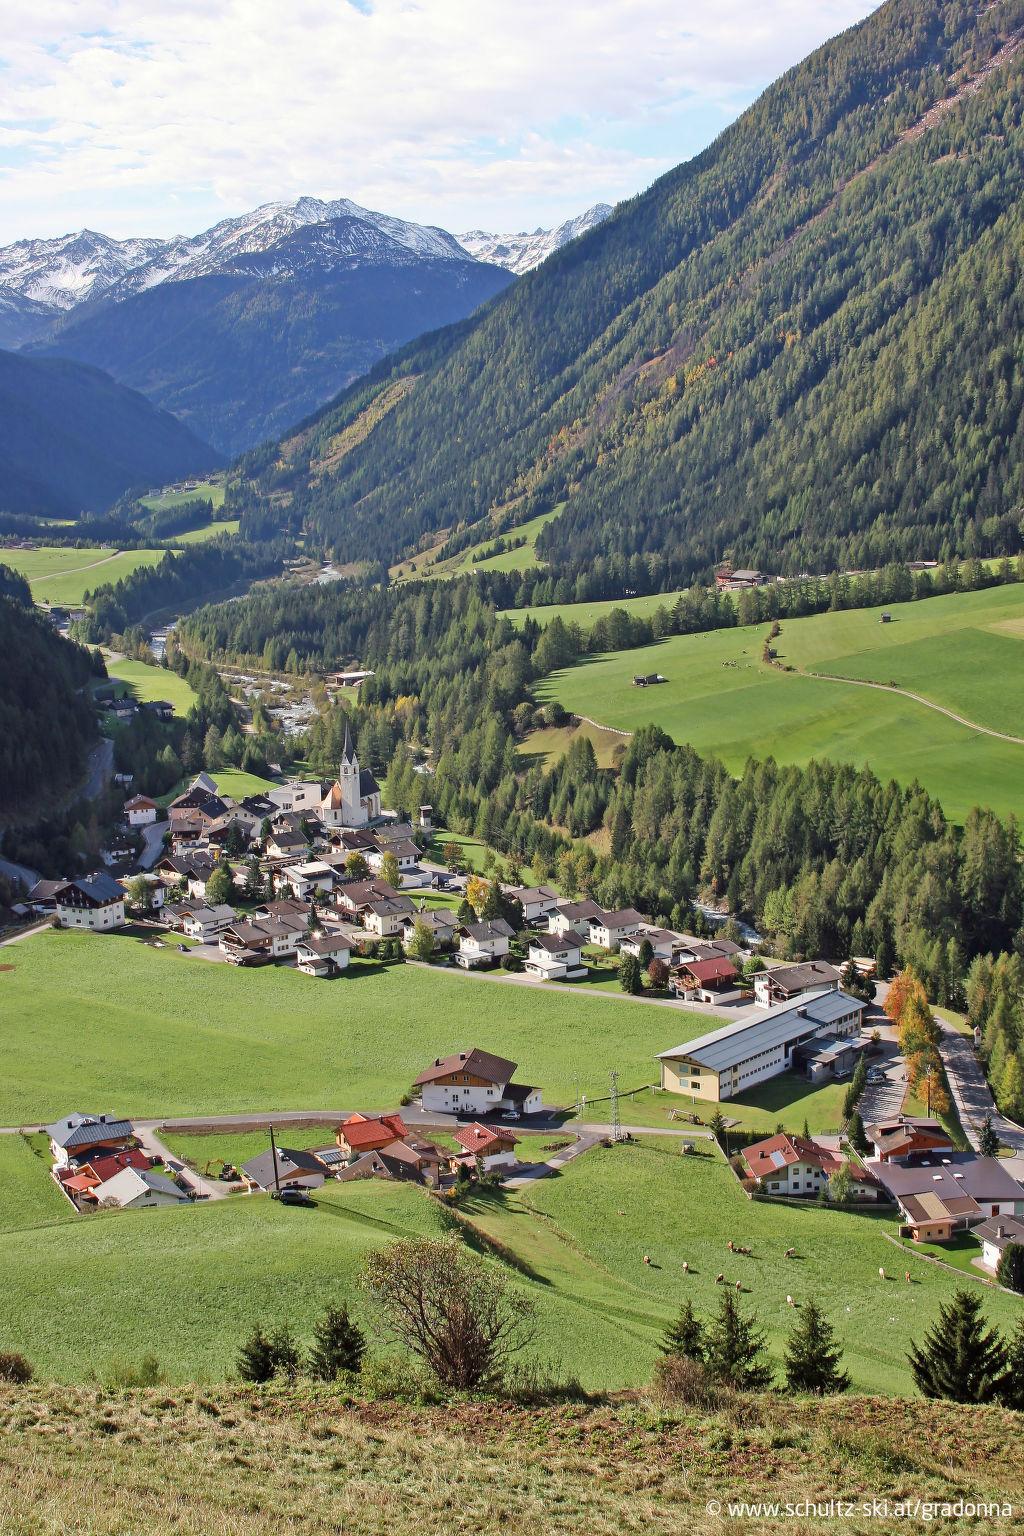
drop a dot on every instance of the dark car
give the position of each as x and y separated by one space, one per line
292 1197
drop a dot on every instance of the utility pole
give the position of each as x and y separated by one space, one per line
273 1150
616 1123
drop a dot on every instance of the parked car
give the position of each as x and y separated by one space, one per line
876 1075
292 1197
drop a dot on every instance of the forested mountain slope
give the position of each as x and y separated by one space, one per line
801 349
73 440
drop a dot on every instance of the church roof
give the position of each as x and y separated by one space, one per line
367 783
348 751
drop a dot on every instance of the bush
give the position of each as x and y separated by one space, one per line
14 1367
395 1379
126 1374
678 1379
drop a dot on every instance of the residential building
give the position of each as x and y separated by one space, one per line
323 955
442 924
782 983
482 943
385 918
140 811
291 1168
353 800
77 1136
311 878
300 795
412 1159
207 923
943 1195
556 957
906 1138
139 1189
796 1165
729 1060
95 902
995 1234
369 1133
705 980
487 1146
576 915
609 928
475 1082
537 901
664 943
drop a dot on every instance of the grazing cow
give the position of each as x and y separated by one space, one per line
790 1302
686 1266
729 1245
908 1276
739 1285
881 1272
789 1253
719 1279
647 1258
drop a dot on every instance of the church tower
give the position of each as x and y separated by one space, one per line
348 778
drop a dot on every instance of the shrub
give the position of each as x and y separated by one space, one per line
677 1379
14 1367
126 1374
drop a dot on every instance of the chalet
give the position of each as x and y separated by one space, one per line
191 870
944 1195
95 902
441 923
705 980
140 811
369 1133
162 708
729 1060
287 1169
207 923
906 1138
384 918
286 845
350 679
782 983
728 580
411 1159
262 939
537 901
74 1138
609 928
556 956
353 895
995 1234
487 1146
482 943
139 1189
664 943
403 849
311 878
797 1165
322 954
475 1083
577 915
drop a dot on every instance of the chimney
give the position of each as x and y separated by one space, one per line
1000 1231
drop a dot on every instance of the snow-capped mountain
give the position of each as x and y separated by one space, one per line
70 269
522 252
22 319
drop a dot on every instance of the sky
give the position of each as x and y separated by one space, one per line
159 117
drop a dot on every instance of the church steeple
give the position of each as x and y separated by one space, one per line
348 751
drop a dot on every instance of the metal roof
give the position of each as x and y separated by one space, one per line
763 1031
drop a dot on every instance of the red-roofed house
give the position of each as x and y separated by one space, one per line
704 979
489 1146
369 1133
793 1165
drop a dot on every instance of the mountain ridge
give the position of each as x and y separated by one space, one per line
526 250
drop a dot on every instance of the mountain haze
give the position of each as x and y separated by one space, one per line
801 349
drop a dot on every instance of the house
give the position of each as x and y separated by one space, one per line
353 800
943 1195
410 1159
482 943
139 1189
286 845
304 880
350 679
537 901
299 795
384 918
556 957
577 915
140 811
728 580
664 943
287 1169
77 1136
353 895
207 923
162 708
369 1133
729 1060
782 983
608 928
995 1234
705 979
262 939
488 1146
474 1082
908 1137
95 902
441 923
323 955
797 1165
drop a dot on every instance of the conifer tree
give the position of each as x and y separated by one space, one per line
735 1349
686 1335
988 1141
256 1358
285 1352
855 1133
1011 1393
338 1345
813 1359
957 1358
1011 1267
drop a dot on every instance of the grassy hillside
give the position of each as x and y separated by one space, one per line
481 556
962 652
150 683
59 574
751 358
204 490
235 1462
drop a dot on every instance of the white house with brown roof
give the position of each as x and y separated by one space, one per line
140 811
556 957
800 1166
537 901
488 1146
609 929
322 955
207 923
575 915
475 1082
482 943
995 1234
783 983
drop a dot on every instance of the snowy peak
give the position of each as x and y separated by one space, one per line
524 251
70 269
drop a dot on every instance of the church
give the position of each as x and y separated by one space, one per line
353 800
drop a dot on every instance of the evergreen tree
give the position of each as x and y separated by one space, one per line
686 1335
338 1345
988 1141
1011 1268
254 888
284 1352
630 976
813 1359
735 1349
1011 1393
716 1125
256 1358
855 1134
958 1359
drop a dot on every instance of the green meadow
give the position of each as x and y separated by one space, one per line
964 652
58 574
205 490
521 558
209 531
149 683
233 782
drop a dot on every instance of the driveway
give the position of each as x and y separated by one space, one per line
881 1101
209 1189
973 1097
152 844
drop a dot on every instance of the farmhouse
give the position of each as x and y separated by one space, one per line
139 1189
77 1136
554 957
782 983
140 811
728 580
995 1234
487 1146
95 902
410 1159
729 1060
369 1133
475 1083
293 1169
705 979
323 954
482 943
796 1165
941 1196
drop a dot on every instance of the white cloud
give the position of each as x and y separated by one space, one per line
143 116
